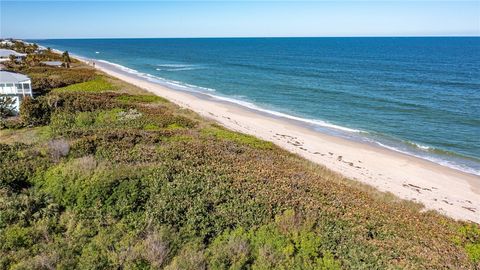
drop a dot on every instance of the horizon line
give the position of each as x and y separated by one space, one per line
265 37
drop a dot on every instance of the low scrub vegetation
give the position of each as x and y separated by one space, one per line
99 84
140 99
122 181
221 133
6 107
45 78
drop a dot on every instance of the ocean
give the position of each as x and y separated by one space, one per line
419 96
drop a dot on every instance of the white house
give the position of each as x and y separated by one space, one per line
6 43
5 55
53 63
15 85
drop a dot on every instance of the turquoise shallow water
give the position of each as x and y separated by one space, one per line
415 95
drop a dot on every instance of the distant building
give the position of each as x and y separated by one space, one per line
5 55
6 43
15 85
52 63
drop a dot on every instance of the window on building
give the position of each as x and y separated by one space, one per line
18 86
2 85
9 84
26 86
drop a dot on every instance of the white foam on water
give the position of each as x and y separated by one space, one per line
420 146
284 115
175 65
193 88
178 67
176 84
320 123
433 159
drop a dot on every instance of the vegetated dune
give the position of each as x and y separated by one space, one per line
117 178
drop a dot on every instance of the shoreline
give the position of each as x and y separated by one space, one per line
449 191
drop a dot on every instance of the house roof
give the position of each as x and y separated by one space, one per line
11 77
52 63
6 53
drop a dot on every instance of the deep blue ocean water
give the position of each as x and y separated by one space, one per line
415 95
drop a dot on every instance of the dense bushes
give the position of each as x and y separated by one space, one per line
39 111
18 163
132 182
6 107
19 46
470 239
45 78
99 84
287 243
35 112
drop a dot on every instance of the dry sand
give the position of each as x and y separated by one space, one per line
451 192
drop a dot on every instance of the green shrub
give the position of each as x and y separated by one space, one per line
175 126
6 107
16 237
285 244
79 183
239 138
155 247
99 84
12 123
66 180
151 126
231 251
108 117
35 112
121 184
84 119
473 251
141 99
46 78
18 163
61 122
190 257
470 239
83 102
83 146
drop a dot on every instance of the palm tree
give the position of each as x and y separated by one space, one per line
12 58
6 107
66 59
31 59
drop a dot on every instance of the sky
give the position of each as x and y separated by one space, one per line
141 19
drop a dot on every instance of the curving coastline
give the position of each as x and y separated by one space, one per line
339 105
449 191
455 161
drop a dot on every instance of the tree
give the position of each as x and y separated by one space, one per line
6 106
32 59
35 111
12 58
66 59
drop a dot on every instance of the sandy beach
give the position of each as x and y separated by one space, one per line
448 191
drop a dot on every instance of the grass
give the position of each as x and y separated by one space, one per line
140 99
221 133
25 135
99 84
